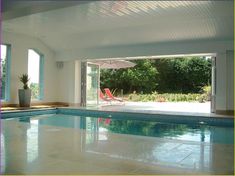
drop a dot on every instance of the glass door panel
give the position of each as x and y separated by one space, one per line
92 84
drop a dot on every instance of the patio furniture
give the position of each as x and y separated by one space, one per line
103 98
110 95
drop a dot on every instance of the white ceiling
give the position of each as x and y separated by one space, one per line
115 23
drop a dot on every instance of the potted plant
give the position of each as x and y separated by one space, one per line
25 93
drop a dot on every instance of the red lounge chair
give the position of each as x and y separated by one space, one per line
110 95
102 97
107 121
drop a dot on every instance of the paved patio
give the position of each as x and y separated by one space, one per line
161 106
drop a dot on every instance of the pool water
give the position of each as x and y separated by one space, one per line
186 132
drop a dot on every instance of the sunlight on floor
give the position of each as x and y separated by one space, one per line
161 106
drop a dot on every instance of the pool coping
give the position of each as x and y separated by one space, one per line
144 112
219 120
26 112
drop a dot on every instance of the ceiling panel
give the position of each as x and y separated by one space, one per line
105 23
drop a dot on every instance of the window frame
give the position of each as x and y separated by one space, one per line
8 73
41 74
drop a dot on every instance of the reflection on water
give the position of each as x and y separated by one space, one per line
192 132
32 141
157 129
188 132
2 154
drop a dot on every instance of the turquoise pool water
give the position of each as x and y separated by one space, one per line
199 132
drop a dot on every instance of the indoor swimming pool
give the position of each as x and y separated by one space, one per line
200 132
90 142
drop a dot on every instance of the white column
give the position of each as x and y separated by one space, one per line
77 93
221 81
230 79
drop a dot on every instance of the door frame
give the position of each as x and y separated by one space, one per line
213 84
84 65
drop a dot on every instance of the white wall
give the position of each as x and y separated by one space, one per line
60 84
152 49
225 80
221 97
230 79
69 83
77 91
19 65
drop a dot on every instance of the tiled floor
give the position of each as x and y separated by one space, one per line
190 107
12 108
40 149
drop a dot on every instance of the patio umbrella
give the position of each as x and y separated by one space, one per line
115 64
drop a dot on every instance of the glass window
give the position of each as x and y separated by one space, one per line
35 65
5 72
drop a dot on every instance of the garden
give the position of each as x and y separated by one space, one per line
185 79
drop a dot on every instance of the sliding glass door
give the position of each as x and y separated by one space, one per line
90 84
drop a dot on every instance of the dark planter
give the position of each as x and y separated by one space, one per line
24 97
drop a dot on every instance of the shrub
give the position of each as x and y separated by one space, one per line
167 97
206 94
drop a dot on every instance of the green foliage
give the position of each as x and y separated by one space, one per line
3 78
167 97
35 90
145 128
183 75
142 77
207 90
172 75
24 78
206 94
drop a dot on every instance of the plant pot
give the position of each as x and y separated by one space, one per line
24 97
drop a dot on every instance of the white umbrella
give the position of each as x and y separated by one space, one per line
115 64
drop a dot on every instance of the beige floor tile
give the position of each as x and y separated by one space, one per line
44 149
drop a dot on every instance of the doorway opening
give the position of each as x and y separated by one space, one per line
182 83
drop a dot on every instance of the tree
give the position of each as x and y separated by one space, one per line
172 75
183 75
142 77
3 78
35 90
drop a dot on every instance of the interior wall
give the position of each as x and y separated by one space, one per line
225 80
148 49
221 82
19 65
230 79
77 86
69 84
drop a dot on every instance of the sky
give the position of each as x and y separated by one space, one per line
33 66
3 51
